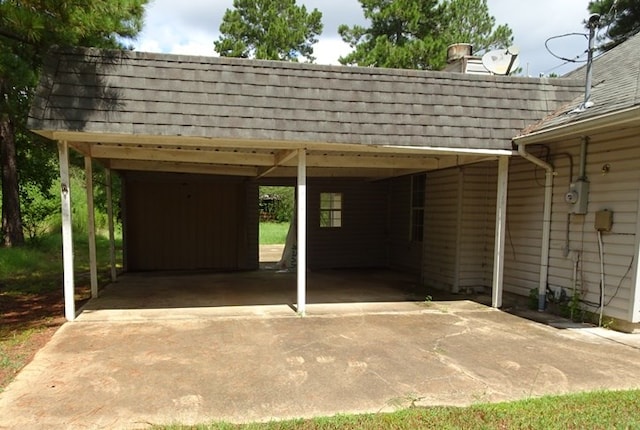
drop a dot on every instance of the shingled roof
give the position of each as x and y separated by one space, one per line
615 91
159 101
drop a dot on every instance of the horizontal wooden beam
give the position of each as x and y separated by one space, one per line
181 155
369 161
332 172
213 142
173 167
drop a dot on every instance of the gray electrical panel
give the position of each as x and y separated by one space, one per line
578 197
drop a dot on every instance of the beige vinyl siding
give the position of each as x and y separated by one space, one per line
524 226
440 229
616 190
403 253
459 227
360 241
478 224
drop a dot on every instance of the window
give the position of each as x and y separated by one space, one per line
418 188
330 209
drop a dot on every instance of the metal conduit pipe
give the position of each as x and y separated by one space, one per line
546 222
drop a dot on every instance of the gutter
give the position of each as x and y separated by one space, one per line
546 221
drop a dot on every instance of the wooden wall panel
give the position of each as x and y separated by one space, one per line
186 222
361 241
403 253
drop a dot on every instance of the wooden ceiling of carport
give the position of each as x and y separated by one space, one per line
260 159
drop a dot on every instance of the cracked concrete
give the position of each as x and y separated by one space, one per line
106 372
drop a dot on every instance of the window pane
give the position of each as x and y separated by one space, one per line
330 209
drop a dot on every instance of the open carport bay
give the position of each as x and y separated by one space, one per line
170 295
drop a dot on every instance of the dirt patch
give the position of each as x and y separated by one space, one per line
27 322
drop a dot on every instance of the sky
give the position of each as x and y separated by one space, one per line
191 28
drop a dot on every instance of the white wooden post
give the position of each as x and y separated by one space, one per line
112 243
460 206
501 217
302 232
91 226
67 232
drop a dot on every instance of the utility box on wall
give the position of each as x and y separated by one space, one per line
578 197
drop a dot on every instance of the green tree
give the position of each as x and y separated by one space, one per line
403 34
28 29
269 30
414 34
621 18
469 21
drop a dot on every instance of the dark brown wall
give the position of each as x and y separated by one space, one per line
404 253
188 222
361 241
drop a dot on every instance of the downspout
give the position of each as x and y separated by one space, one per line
546 222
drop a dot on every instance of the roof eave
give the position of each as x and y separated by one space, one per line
617 119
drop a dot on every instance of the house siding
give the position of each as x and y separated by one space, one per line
478 225
459 227
574 238
524 225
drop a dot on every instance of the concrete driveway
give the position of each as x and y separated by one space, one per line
193 366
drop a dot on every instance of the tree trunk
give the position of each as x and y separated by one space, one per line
12 234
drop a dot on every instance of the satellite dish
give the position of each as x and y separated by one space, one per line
501 61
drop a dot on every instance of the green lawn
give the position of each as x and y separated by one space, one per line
37 266
596 410
273 233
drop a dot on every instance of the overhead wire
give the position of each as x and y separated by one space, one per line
568 60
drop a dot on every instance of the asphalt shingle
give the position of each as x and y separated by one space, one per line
99 91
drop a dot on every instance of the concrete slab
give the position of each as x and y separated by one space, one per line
117 374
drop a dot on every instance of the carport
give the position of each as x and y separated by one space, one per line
251 121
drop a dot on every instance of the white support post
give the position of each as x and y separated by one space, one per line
67 233
112 242
458 263
302 232
91 226
501 216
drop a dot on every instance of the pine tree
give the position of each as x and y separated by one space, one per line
269 30
28 29
414 34
620 18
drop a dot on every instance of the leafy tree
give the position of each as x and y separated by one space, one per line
269 30
28 28
621 18
414 34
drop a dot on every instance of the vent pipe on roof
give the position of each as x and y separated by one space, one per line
458 51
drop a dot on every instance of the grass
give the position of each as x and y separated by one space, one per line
273 233
595 410
37 267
